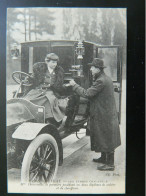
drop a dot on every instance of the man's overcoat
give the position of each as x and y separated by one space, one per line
104 125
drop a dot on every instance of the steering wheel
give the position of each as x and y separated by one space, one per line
21 78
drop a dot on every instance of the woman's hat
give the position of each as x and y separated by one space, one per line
52 56
97 62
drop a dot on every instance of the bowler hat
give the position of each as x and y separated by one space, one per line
52 56
97 62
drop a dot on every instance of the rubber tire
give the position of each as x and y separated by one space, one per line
30 153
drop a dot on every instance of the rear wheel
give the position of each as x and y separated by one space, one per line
40 161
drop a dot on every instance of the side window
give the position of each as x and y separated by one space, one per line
109 55
66 56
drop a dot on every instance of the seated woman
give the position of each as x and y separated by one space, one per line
48 87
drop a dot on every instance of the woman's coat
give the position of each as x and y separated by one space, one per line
47 89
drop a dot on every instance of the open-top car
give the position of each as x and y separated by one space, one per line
34 142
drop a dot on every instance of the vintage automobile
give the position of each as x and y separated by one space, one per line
34 144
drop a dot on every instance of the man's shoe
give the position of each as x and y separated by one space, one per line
102 159
99 160
106 168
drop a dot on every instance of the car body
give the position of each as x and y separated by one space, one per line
33 144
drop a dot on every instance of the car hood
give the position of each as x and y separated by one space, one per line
17 113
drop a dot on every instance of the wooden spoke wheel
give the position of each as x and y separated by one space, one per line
41 160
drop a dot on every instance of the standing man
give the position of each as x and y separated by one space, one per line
104 125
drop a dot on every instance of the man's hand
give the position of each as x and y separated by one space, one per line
72 82
66 85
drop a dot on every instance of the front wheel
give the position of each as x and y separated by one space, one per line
40 161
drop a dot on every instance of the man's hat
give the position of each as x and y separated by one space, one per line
97 62
52 56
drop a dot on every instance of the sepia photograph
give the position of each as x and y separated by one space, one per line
66 100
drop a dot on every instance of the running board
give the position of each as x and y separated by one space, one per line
70 149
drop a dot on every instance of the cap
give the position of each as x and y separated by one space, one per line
52 56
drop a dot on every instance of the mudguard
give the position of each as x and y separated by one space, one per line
29 131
